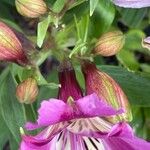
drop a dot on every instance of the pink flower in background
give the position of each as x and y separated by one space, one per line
132 3
146 42
73 122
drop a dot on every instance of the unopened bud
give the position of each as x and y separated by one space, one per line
107 90
10 47
109 43
31 8
27 91
146 42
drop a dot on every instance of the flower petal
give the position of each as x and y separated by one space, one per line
51 112
44 137
92 106
126 144
91 127
122 136
132 3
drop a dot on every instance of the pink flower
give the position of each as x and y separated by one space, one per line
73 122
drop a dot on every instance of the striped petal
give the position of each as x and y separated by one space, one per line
92 127
43 138
132 3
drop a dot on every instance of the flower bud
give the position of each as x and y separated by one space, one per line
109 43
107 89
31 8
146 42
10 47
27 91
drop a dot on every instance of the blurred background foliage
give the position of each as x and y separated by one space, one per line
83 21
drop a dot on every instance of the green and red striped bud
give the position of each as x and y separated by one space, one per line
12 45
109 43
27 91
107 89
31 8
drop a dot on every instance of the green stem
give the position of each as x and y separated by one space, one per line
34 114
24 112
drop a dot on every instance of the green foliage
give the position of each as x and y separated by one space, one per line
70 29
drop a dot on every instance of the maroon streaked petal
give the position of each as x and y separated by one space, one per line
132 3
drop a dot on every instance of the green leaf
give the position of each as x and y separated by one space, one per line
93 4
3 132
12 143
78 2
133 17
133 39
12 112
128 59
103 17
136 86
82 27
46 93
11 2
58 5
42 30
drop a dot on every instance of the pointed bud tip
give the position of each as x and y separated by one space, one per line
22 131
109 43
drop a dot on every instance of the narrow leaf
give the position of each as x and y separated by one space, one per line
93 4
42 29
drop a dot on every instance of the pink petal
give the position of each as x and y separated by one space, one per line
121 136
115 143
132 3
92 106
54 111
121 129
51 112
43 138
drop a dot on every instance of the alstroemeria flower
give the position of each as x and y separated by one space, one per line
132 3
73 122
